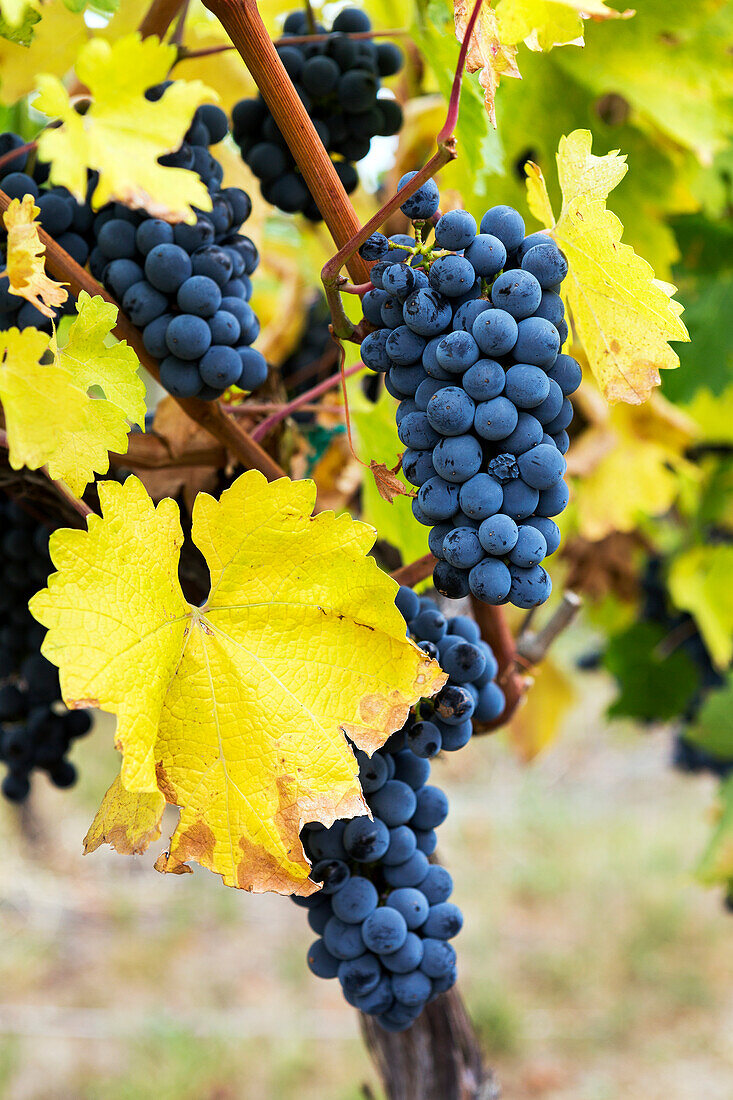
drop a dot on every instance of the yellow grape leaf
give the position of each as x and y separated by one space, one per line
542 24
536 723
235 711
17 20
699 582
56 41
26 261
13 11
626 467
487 54
622 315
128 821
72 433
123 134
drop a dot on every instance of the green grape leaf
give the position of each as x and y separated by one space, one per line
700 582
713 727
18 27
654 685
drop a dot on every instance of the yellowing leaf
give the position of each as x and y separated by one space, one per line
123 134
56 41
50 418
13 11
128 821
700 582
542 24
17 20
26 270
235 711
622 315
627 467
536 723
487 54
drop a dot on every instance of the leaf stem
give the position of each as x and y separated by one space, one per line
159 17
206 413
304 398
243 24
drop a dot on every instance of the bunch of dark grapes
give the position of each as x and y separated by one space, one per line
383 916
36 729
187 287
66 220
468 332
338 81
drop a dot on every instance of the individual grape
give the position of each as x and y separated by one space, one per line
375 247
411 903
116 238
344 941
567 373
406 958
355 901
551 307
416 432
461 548
143 303
411 769
496 419
404 346
361 975
450 581
490 581
424 739
561 440
220 366
384 930
454 705
180 377
455 230
412 989
199 295
486 254
480 496
457 351
254 368
120 275
437 498
464 662
437 886
394 803
152 232
530 547
526 386
186 336
554 500
495 332
484 380
422 205
518 293
439 958
468 311
506 224
498 534
333 874
538 342
542 466
444 921
374 351
562 420
392 312
529 587
402 845
549 531
519 500
366 840
456 459
451 275
547 263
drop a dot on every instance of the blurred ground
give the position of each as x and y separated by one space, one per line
593 965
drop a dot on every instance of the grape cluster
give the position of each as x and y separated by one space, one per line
36 730
338 82
468 331
66 220
187 287
383 916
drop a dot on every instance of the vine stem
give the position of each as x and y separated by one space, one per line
208 414
159 17
304 398
445 152
293 40
243 24
12 154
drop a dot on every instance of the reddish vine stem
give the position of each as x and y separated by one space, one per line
415 571
304 398
445 152
243 24
495 630
159 17
12 154
292 40
208 414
